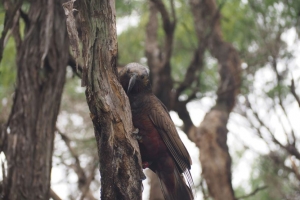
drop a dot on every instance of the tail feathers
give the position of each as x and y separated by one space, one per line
173 186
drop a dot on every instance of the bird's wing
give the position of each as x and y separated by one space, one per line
160 117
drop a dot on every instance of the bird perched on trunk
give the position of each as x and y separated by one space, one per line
161 148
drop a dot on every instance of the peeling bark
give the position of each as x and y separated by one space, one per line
120 162
41 60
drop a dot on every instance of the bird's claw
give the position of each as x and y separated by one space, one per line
135 131
136 135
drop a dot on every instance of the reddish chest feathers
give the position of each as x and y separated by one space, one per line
151 144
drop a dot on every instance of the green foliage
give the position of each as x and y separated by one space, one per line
238 24
131 45
73 87
268 171
185 42
7 71
74 110
254 27
131 41
279 90
124 8
269 174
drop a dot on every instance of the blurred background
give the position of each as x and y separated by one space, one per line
228 71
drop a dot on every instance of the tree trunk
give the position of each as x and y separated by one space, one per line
211 136
41 59
120 163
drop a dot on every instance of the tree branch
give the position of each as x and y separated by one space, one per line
192 74
168 25
188 127
83 181
193 70
169 28
158 58
293 90
252 193
54 196
262 123
279 81
290 148
196 64
86 192
212 133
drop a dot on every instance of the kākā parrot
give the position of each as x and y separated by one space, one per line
161 148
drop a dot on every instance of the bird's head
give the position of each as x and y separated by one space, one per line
134 78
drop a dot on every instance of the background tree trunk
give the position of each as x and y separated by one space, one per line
120 163
211 137
158 58
41 60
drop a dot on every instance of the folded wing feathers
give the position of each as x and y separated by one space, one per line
171 138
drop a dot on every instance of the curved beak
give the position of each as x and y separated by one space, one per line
131 83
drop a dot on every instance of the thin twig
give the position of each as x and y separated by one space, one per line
262 123
293 90
54 196
279 81
196 65
253 192
205 196
85 189
291 149
83 181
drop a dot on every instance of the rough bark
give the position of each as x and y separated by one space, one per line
41 59
211 136
120 163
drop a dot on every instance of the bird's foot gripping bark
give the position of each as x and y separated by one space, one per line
136 135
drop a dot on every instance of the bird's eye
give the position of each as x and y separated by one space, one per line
142 76
128 71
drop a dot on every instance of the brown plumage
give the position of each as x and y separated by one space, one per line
161 148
